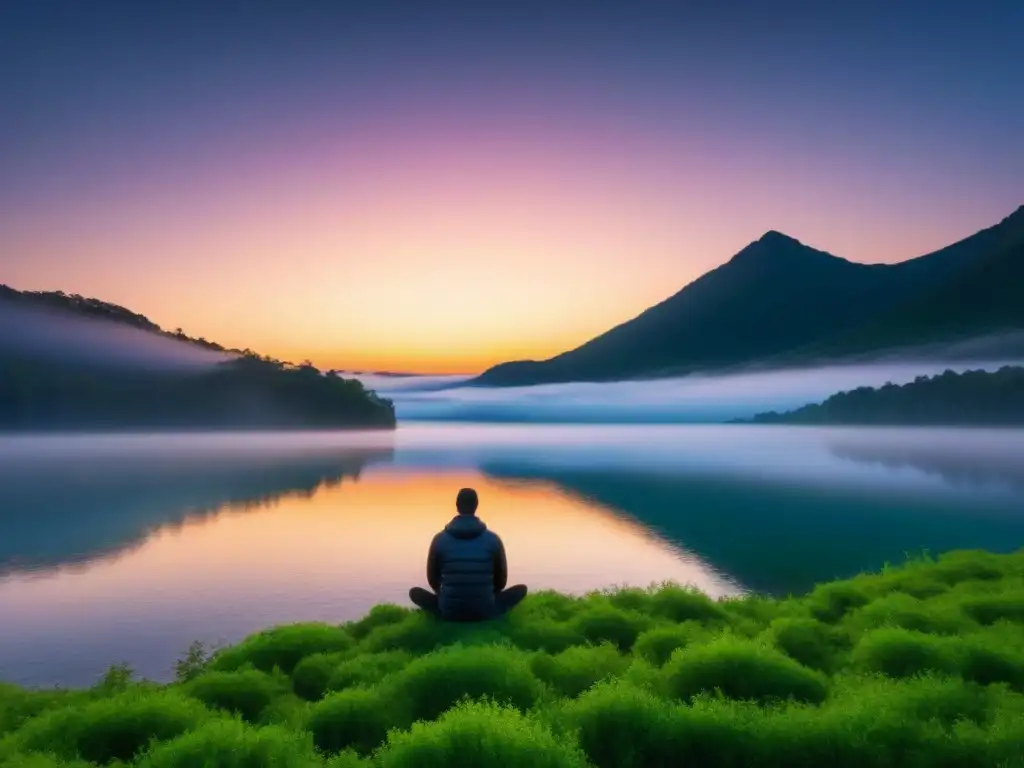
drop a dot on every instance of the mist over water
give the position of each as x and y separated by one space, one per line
691 399
53 334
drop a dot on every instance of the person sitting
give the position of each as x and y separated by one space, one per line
467 569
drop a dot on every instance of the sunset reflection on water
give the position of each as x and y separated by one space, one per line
325 556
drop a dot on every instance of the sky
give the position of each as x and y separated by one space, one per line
438 187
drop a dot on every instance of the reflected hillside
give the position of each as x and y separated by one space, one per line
970 463
70 502
782 537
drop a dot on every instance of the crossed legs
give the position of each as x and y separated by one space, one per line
505 600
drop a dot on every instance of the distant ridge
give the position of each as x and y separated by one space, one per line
778 302
971 398
69 363
103 310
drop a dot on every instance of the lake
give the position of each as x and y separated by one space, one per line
128 548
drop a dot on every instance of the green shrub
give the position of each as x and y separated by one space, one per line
967 565
18 705
367 669
192 663
288 711
898 652
758 610
349 759
1009 634
923 721
38 760
116 728
356 718
927 696
418 632
903 653
831 602
853 732
549 604
916 583
381 615
435 682
621 726
282 647
475 734
542 634
246 693
657 645
117 679
989 609
476 633
900 610
808 641
311 676
574 670
679 604
231 744
741 669
628 598
1003 738
985 662
642 674
720 732
602 622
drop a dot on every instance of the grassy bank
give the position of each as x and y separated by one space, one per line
920 665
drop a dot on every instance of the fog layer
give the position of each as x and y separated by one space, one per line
61 336
689 399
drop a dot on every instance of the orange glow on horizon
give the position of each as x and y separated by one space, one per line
439 253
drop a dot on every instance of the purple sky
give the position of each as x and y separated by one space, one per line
444 186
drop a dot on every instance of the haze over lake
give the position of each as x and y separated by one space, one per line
697 398
128 548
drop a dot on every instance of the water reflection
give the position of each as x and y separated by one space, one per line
327 557
971 457
130 548
780 538
72 501
815 503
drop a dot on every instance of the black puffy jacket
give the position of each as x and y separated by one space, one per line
466 565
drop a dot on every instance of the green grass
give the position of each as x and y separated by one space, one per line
918 665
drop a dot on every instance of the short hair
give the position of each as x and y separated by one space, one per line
467 501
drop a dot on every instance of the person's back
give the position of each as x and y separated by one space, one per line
467 569
468 564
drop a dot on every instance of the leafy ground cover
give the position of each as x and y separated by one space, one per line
918 665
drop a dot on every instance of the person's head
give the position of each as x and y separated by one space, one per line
466 501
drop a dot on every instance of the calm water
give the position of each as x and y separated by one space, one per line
129 548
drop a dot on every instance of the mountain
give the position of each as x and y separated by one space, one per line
69 363
778 301
972 398
984 297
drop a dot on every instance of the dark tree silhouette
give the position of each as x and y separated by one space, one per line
976 398
246 391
